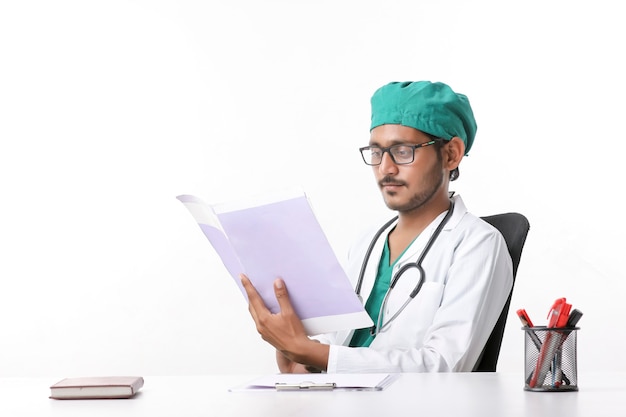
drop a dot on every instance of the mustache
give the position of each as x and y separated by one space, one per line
389 180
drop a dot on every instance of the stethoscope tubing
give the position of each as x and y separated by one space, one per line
418 264
368 253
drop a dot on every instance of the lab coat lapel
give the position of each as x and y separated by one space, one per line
418 245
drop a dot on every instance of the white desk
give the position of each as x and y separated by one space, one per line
467 395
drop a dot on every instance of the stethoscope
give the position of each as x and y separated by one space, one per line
380 326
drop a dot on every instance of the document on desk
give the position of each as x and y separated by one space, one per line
319 382
278 235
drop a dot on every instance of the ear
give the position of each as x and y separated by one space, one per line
454 151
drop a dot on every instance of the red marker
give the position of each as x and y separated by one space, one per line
559 313
526 322
523 316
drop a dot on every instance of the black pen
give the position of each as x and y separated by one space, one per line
572 320
574 317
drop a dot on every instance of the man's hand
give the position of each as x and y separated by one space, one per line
284 330
287 366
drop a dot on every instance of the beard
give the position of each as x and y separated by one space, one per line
430 183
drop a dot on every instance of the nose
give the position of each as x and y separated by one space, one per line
387 166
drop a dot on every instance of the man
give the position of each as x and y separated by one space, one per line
435 295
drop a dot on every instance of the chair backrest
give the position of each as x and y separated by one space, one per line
514 228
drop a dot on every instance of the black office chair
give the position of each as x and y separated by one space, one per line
514 228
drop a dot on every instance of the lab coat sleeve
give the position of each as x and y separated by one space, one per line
477 285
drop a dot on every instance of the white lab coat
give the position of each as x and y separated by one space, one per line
444 329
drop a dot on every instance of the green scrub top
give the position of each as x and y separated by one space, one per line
363 337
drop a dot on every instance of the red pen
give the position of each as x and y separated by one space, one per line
526 322
523 316
559 313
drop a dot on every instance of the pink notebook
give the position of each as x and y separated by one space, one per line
102 387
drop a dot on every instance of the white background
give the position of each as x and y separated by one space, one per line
109 109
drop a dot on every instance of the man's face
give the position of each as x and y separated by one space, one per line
410 186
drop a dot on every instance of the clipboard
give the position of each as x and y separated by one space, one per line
319 382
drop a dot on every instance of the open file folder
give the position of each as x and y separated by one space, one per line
319 382
277 235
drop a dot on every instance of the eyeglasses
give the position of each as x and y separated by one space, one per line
400 154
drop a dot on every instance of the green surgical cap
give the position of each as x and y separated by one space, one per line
430 107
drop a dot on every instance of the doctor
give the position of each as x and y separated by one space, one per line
435 279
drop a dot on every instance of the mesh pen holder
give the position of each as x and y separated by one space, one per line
550 359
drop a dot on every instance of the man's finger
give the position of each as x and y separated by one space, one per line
282 296
254 299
